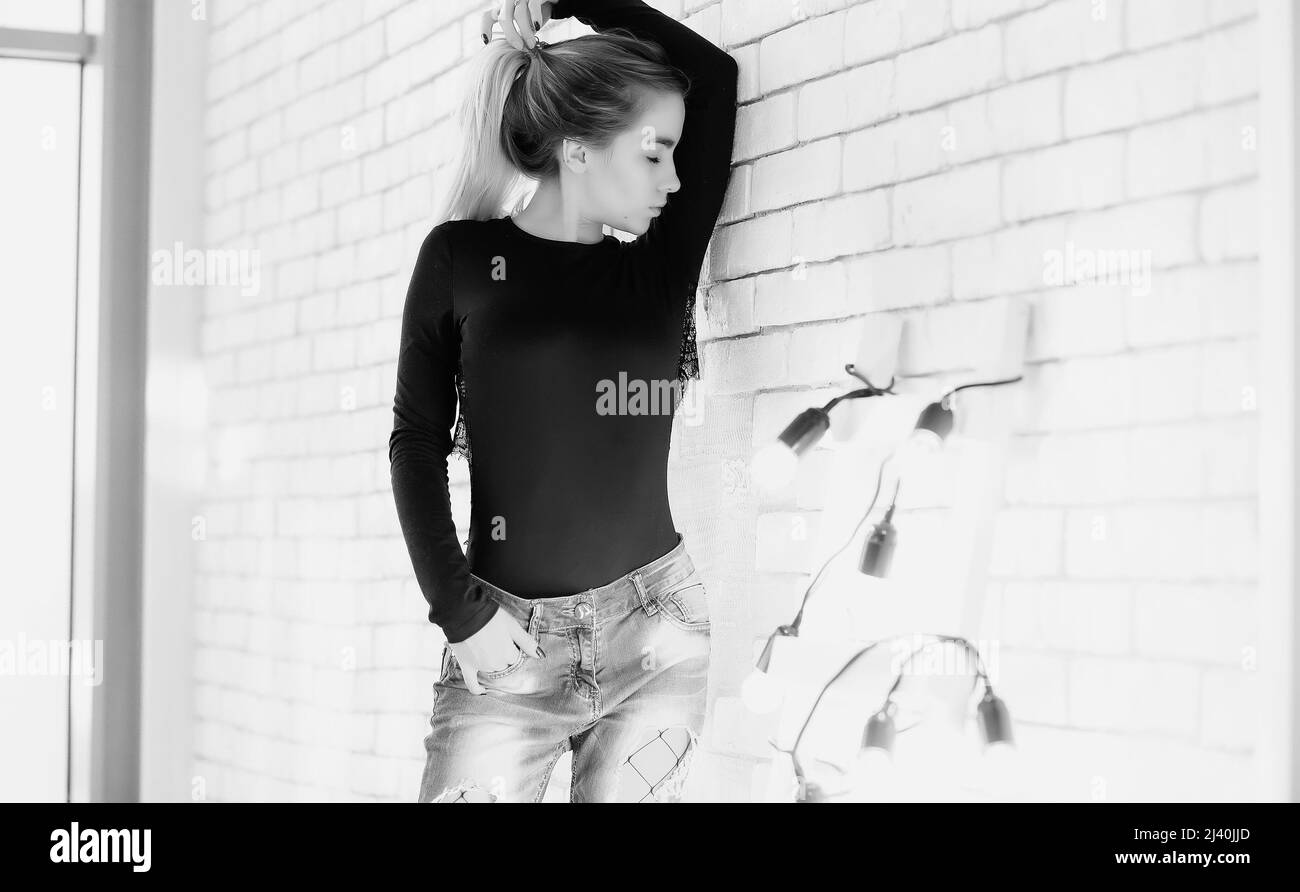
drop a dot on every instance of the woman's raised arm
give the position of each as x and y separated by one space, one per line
680 235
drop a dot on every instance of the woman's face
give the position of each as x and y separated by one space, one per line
627 185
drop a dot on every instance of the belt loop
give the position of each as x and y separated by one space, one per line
649 605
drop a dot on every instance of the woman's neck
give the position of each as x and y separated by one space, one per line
549 216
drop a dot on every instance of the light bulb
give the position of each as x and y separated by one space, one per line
761 693
774 465
1002 771
923 442
782 782
873 775
931 764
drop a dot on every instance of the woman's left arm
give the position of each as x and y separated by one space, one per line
680 235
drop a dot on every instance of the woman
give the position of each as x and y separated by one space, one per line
583 625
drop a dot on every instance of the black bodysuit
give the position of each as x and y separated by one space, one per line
548 345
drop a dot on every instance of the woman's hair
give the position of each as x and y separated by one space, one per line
520 105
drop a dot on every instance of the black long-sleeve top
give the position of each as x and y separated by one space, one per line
565 497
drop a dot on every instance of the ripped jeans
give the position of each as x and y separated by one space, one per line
623 684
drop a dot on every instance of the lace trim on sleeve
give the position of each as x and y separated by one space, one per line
460 440
688 361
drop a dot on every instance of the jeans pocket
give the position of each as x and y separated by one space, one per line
509 670
686 605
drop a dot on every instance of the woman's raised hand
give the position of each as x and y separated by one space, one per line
520 20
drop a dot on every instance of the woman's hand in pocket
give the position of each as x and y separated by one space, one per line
498 645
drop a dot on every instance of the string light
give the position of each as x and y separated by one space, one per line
775 464
880 733
759 692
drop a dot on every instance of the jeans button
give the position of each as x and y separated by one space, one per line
582 610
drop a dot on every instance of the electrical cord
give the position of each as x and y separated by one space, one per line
979 674
943 400
880 476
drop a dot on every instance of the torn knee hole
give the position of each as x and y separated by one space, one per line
466 791
658 766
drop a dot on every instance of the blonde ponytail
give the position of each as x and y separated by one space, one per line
485 176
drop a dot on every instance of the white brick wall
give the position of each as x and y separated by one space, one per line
913 158
1006 130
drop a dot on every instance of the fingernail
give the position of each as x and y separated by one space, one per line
484 36
540 652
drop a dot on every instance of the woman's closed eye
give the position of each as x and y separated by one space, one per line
652 160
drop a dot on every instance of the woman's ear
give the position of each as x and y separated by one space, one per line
573 155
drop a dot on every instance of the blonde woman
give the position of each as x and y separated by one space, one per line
575 618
